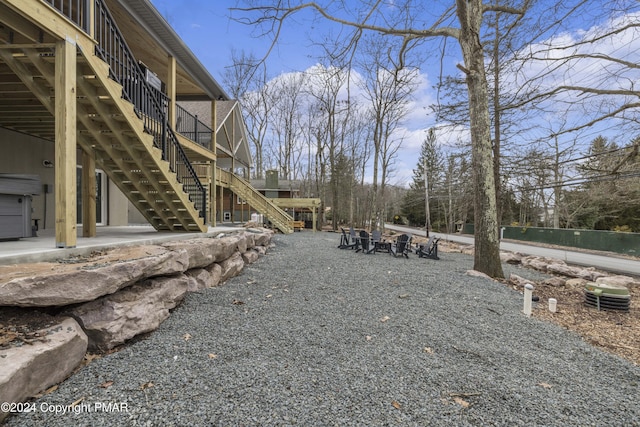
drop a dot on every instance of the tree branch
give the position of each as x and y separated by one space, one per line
280 14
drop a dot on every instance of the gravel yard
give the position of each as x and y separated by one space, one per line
311 335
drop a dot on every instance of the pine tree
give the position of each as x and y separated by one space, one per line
413 206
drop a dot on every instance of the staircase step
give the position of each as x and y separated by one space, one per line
113 130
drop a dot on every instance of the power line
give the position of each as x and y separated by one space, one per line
582 181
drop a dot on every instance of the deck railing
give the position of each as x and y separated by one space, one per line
76 10
191 127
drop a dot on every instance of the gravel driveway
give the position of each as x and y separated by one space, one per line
311 335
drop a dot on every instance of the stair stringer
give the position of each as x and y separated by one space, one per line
165 197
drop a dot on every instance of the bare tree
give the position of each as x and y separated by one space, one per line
469 13
590 74
327 85
287 98
246 80
388 87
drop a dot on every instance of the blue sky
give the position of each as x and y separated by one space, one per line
207 28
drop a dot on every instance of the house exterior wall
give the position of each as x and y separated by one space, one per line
25 154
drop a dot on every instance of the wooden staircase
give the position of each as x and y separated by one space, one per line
120 119
109 128
259 202
125 150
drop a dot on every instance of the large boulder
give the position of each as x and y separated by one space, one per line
540 263
564 269
468 250
216 274
199 278
231 267
511 257
203 252
250 256
230 244
29 369
114 319
251 239
575 283
518 280
476 273
554 281
90 281
589 273
242 243
624 281
262 236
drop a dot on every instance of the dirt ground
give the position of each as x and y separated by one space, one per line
616 332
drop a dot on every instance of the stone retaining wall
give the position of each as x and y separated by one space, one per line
109 299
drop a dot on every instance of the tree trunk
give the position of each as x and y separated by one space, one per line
487 242
496 113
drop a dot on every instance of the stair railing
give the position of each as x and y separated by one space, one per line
124 69
257 200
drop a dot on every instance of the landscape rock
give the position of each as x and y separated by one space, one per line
625 281
540 263
30 369
251 239
476 273
242 243
203 252
468 250
589 273
592 274
250 256
113 319
230 246
518 280
262 236
565 270
200 252
261 250
199 278
511 257
554 281
232 266
90 281
216 274
575 283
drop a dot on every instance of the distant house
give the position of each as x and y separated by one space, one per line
107 106
285 194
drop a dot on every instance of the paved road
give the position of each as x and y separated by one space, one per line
613 263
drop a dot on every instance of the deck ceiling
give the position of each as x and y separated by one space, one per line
20 109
